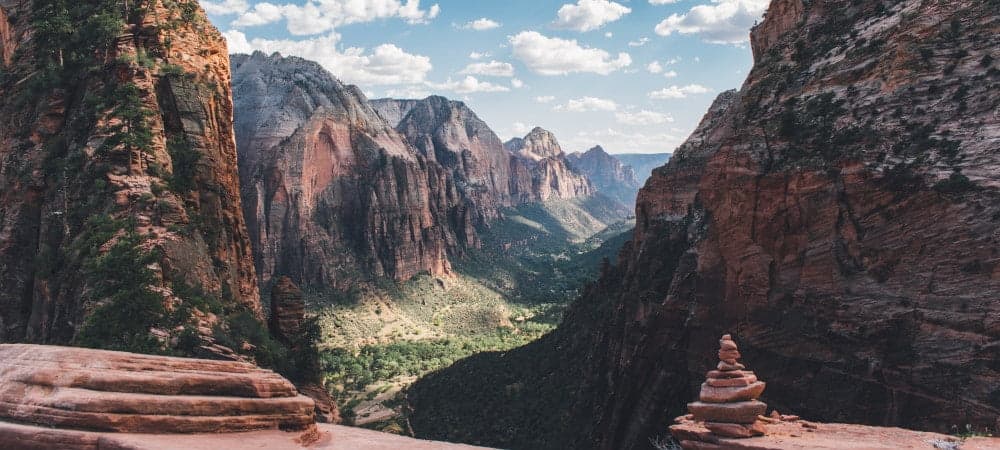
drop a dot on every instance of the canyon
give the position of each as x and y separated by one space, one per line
836 215
338 189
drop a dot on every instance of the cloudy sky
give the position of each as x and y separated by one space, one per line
634 76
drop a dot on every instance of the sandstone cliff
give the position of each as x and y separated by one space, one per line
118 178
539 170
837 214
333 194
607 173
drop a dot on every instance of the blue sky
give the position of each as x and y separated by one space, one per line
634 76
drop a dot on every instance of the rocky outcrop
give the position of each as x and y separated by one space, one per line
114 137
539 170
450 134
608 175
288 309
98 390
839 214
332 192
782 16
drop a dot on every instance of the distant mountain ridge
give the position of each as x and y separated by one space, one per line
608 174
337 186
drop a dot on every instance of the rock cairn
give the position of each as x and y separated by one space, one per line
728 401
287 309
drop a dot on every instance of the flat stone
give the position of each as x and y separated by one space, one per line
99 390
729 355
727 345
736 430
728 374
724 366
712 394
731 382
739 412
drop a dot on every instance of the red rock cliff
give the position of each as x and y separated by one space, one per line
838 215
132 132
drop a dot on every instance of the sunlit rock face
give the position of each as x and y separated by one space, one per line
137 139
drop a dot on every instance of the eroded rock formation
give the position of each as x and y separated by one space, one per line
839 213
109 138
332 192
539 170
98 390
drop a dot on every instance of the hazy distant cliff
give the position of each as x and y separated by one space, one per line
608 174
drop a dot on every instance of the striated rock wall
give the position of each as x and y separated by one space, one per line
138 139
333 194
539 170
8 44
838 214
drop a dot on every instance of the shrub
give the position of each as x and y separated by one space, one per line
955 184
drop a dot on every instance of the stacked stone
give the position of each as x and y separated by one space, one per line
287 309
728 402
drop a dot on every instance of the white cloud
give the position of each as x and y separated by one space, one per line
407 92
385 64
225 7
587 15
654 67
520 128
554 56
516 83
321 16
642 117
492 68
639 43
545 99
624 142
670 74
585 104
468 85
478 55
721 22
481 24
674 92
662 2
609 35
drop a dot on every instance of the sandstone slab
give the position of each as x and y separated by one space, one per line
100 390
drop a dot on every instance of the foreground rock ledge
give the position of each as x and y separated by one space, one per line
803 435
97 390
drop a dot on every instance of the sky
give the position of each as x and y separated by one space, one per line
634 76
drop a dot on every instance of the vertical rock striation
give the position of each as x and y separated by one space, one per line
113 132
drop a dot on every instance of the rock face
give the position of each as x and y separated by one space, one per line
608 174
839 213
340 189
332 192
98 390
540 172
138 141
288 309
